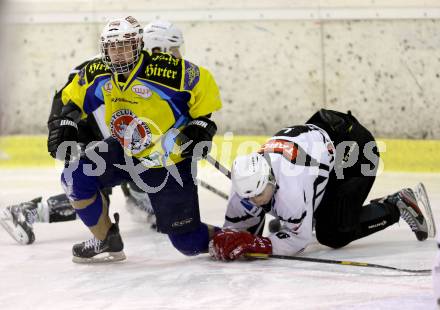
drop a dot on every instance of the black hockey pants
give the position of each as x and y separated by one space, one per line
341 216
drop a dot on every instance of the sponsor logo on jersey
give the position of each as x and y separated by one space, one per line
287 148
97 66
155 70
166 58
118 99
164 69
108 86
142 91
133 134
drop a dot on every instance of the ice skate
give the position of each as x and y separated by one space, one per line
423 201
410 212
96 251
18 220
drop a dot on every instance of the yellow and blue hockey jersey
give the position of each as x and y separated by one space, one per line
161 93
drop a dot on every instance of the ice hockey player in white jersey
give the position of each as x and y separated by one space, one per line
18 220
323 170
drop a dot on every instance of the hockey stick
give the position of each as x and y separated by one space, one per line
335 262
209 158
218 166
214 190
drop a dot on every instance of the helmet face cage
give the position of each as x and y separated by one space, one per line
126 54
121 44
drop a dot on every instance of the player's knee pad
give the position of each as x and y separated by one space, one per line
92 211
193 242
83 192
77 185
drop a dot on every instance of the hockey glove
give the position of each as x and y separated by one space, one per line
197 137
61 129
229 245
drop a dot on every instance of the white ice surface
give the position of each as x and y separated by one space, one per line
156 276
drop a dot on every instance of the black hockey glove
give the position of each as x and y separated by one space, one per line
61 129
198 133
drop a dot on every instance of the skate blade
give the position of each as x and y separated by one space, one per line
107 257
16 232
422 199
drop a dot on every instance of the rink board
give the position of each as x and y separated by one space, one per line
397 155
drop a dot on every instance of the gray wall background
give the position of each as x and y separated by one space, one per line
271 72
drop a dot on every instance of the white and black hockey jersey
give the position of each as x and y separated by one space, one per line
301 158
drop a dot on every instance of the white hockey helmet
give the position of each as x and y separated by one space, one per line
250 175
163 35
121 44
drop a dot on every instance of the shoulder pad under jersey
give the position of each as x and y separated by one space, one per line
164 69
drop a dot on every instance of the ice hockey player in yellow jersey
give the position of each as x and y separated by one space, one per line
19 219
158 111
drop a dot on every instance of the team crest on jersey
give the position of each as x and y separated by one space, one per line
192 75
133 134
142 91
108 86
